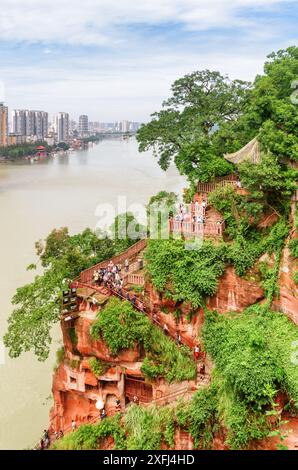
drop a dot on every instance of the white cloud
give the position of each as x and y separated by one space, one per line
98 21
129 72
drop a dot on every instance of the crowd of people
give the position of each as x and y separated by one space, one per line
194 212
111 278
45 441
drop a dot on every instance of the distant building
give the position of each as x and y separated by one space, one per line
125 126
83 125
62 127
3 125
15 139
30 123
134 126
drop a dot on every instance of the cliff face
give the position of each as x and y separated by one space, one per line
288 292
78 393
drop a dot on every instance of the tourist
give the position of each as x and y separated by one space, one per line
177 338
56 435
41 444
165 329
103 414
128 297
126 265
134 300
141 306
61 434
118 405
202 369
135 400
196 352
73 425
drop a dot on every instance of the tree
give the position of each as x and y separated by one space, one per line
271 113
37 304
184 129
126 231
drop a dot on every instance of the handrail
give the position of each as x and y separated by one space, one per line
87 274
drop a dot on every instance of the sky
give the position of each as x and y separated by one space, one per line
117 60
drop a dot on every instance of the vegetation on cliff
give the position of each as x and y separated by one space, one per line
185 275
255 354
209 115
122 327
61 257
89 436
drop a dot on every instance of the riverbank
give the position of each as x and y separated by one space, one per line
34 199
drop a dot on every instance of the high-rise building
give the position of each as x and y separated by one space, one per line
83 125
62 127
30 123
3 125
41 124
19 122
125 126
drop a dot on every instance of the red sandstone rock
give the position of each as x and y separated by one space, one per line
235 293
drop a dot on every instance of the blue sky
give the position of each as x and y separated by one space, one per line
117 60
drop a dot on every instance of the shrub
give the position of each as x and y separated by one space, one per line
97 366
185 275
121 326
88 436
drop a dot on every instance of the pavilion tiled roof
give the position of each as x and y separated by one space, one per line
250 152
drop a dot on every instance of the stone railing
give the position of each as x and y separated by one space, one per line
195 229
136 279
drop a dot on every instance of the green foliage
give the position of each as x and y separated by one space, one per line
60 354
15 152
255 355
74 363
97 366
121 326
184 129
37 304
147 428
73 336
200 416
159 208
293 245
186 275
207 115
126 231
165 359
269 178
296 277
89 436
243 253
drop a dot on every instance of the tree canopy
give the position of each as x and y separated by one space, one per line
208 115
37 304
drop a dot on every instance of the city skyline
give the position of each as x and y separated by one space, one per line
18 126
109 60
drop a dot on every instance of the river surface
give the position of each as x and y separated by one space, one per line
61 191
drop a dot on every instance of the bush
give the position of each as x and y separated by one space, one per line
89 436
97 366
253 353
293 245
60 354
121 326
146 428
185 275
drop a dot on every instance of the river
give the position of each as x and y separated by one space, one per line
61 191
